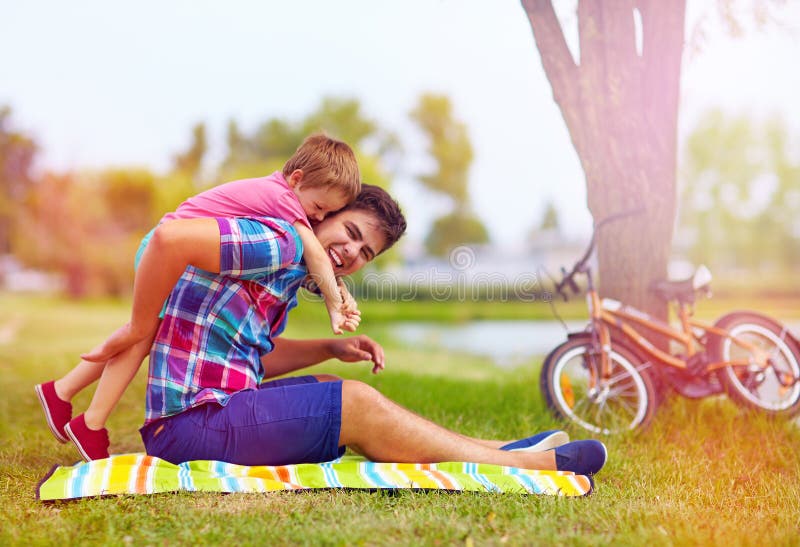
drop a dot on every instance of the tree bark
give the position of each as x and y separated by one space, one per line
621 108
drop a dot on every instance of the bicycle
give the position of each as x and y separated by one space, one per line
604 378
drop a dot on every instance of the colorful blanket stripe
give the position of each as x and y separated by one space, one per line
142 474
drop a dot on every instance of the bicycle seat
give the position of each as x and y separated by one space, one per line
683 291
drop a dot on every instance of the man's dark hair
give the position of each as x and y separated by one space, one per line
376 200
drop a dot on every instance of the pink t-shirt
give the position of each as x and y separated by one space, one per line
263 196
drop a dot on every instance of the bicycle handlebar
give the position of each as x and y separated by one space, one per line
568 279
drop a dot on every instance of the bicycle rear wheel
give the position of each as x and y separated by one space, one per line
753 386
568 381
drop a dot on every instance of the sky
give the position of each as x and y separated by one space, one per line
106 83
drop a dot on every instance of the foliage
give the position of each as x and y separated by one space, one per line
456 228
276 139
87 227
451 149
17 153
549 218
740 201
130 196
449 146
190 162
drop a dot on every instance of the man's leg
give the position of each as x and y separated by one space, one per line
381 430
485 442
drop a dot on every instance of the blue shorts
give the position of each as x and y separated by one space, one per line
286 421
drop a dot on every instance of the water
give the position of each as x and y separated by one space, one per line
507 343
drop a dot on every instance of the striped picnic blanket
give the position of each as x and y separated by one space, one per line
142 474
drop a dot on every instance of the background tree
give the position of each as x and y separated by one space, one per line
740 199
86 227
17 152
275 140
450 148
549 218
619 100
190 162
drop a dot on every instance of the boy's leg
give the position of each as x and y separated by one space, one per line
55 396
115 377
87 431
82 375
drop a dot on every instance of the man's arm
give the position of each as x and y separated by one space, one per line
291 355
174 246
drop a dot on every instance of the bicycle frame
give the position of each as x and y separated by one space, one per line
607 313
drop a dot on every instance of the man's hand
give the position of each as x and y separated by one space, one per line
122 339
358 348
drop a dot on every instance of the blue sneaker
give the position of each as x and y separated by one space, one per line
539 442
581 457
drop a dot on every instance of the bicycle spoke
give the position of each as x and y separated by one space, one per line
605 406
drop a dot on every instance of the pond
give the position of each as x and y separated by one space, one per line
507 343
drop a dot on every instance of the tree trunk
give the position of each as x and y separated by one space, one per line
621 109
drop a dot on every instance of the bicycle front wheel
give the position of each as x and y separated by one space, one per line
570 381
773 388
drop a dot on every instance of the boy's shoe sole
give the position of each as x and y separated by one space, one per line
539 442
48 416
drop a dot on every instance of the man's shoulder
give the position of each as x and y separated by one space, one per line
254 231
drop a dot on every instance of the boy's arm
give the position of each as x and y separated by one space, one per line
174 246
321 271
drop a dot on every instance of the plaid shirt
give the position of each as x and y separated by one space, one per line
217 327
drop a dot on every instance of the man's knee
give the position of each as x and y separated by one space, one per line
358 395
326 377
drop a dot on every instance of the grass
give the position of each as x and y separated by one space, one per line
705 473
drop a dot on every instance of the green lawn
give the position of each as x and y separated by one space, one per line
704 474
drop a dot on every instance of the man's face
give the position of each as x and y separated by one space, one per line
351 239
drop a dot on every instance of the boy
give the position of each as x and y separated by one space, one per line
321 177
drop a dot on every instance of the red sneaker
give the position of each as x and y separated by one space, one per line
92 444
56 411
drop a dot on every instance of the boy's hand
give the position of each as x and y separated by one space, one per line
122 339
349 303
346 315
344 320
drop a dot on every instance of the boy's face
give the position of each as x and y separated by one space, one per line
350 239
319 201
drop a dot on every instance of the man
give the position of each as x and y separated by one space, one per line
234 282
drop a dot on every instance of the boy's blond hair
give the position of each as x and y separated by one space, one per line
326 162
